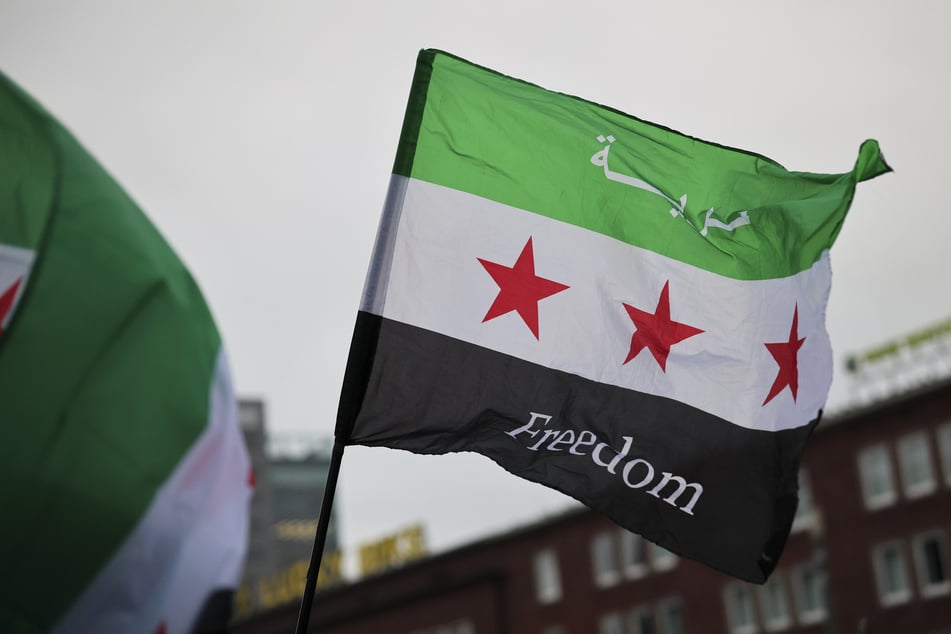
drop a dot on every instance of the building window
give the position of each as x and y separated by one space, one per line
891 573
914 463
462 626
809 583
547 577
774 604
633 555
604 560
670 617
740 611
661 558
611 623
931 564
641 621
944 448
878 483
805 512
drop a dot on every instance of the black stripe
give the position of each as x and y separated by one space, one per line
366 333
429 393
215 613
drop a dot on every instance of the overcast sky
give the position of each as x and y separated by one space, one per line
259 136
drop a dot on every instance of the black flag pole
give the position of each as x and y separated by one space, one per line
366 332
320 538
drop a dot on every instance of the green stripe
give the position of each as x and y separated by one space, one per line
521 145
415 106
104 384
27 169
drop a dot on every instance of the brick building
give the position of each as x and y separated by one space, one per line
869 553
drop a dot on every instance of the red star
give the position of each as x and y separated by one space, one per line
785 353
6 301
519 288
657 331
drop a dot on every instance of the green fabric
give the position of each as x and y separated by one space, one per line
27 172
478 131
105 369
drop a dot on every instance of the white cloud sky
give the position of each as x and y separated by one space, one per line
259 137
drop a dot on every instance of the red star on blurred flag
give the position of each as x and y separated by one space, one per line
786 354
6 301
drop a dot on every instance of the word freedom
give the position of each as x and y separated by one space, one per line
560 440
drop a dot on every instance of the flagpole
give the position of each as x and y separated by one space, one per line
320 538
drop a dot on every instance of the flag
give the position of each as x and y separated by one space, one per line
606 306
124 480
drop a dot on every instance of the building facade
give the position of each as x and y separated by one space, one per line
261 558
290 475
870 552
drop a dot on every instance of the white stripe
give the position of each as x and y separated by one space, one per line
437 283
15 264
190 542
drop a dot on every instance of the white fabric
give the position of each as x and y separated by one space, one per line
190 542
15 264
436 282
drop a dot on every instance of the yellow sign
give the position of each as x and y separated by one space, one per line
392 551
296 530
286 586
892 349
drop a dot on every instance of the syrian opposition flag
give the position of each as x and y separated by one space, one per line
124 480
611 308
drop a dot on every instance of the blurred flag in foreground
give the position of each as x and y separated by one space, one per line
124 480
619 311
